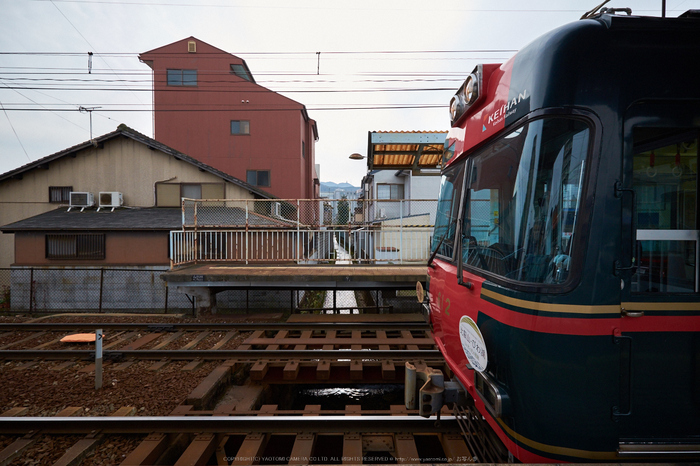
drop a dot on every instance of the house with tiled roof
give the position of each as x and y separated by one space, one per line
107 203
147 177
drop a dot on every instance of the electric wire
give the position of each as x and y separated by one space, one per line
84 38
44 105
15 131
240 109
315 7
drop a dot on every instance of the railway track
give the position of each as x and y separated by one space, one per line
45 338
243 439
284 352
225 419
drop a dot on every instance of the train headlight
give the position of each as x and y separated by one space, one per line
468 94
456 108
470 91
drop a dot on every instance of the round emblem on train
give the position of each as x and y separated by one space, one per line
473 344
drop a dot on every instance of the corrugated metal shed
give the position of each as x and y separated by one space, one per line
405 149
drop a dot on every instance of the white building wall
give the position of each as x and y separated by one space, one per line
425 186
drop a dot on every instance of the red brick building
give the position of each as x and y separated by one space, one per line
208 105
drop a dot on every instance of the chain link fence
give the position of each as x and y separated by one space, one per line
311 213
39 289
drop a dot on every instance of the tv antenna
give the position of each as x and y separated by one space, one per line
88 110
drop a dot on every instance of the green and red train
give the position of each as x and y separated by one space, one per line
564 291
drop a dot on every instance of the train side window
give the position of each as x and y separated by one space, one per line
524 194
447 210
665 186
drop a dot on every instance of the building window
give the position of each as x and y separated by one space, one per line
75 246
182 77
191 191
258 177
242 72
171 194
240 127
60 194
389 191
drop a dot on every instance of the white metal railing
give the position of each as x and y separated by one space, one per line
303 231
388 245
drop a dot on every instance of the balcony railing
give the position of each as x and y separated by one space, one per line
304 232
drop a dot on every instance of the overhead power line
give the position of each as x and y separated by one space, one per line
245 109
85 39
14 131
330 52
240 91
292 6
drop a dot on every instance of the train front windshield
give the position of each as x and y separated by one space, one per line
522 198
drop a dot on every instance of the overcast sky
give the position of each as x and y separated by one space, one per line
44 49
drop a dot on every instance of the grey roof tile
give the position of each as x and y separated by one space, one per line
151 218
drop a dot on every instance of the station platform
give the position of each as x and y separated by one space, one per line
298 276
205 280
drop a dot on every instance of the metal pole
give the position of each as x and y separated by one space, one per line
31 290
196 235
170 249
102 278
401 206
246 232
297 251
98 359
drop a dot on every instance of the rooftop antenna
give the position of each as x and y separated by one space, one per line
89 111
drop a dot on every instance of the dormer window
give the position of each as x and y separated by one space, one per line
242 72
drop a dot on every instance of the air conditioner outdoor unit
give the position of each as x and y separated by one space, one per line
382 213
111 199
82 200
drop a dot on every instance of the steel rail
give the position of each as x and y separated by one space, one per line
252 355
166 326
226 424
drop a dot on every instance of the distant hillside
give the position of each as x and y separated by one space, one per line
329 187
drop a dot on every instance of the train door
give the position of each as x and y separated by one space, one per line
659 343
